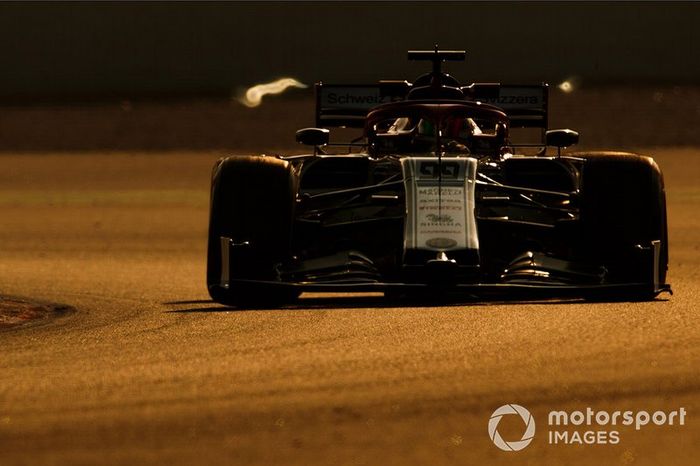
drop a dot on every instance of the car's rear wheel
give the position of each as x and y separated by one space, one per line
250 225
623 215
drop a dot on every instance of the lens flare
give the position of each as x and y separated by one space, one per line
253 96
567 86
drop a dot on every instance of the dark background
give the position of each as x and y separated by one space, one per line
78 50
159 76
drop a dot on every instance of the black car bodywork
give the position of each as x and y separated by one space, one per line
434 198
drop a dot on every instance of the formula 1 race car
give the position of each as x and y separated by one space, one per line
435 198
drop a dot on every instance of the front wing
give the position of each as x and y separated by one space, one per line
475 290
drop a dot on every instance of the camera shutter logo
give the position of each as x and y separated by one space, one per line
529 427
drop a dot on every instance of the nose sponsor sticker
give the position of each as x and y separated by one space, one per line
440 203
441 243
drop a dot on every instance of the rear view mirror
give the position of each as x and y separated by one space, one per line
313 136
561 137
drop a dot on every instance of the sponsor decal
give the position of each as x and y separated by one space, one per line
357 97
432 170
440 198
440 215
512 100
349 100
513 97
441 243
447 219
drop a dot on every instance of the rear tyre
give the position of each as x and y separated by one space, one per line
623 209
252 202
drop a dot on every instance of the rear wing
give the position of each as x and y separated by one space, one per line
526 105
347 105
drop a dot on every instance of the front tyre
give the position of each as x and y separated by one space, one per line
623 216
250 228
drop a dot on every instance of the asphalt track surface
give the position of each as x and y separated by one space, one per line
147 370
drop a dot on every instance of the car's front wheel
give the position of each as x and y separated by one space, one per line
623 217
250 227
